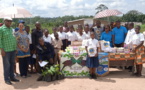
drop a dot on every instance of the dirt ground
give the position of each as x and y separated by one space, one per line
116 80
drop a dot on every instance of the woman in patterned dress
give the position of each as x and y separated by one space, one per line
23 50
138 40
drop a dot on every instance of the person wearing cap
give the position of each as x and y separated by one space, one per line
118 35
8 50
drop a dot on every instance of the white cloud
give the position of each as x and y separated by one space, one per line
54 8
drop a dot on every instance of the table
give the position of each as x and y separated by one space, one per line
121 59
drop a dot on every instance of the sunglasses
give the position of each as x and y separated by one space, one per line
8 20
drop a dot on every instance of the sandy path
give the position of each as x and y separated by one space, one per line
116 80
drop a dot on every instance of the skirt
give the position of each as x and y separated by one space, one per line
140 55
92 62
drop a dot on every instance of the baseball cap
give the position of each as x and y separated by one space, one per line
8 18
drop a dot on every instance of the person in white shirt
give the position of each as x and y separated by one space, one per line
92 48
65 25
62 36
87 31
54 30
130 33
32 61
138 48
47 38
71 35
80 35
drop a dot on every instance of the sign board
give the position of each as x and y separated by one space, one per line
103 68
73 65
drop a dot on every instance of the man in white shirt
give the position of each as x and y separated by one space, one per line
87 31
71 35
47 38
54 30
130 34
62 36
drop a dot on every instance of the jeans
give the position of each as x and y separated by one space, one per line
8 65
23 66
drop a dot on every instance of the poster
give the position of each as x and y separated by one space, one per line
103 68
74 65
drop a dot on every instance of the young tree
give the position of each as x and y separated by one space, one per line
100 8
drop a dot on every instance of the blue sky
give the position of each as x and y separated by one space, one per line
55 8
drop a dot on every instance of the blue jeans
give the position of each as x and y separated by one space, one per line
8 65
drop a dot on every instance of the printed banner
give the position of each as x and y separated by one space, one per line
103 68
73 65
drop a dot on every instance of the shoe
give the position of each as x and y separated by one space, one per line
24 76
8 82
28 75
94 76
91 76
15 80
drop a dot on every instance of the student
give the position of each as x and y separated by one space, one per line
62 36
138 40
107 35
23 50
80 35
71 35
54 30
92 60
57 43
47 38
118 35
32 60
87 31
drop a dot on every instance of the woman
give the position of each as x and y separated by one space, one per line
23 50
107 35
92 48
138 40
47 38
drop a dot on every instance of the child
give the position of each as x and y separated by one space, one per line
92 48
32 60
57 43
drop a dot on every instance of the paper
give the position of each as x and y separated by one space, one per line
43 63
34 56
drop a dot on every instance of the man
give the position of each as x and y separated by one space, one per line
8 50
98 29
37 33
87 31
65 25
45 51
119 34
54 30
130 33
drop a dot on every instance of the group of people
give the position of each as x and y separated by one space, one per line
29 47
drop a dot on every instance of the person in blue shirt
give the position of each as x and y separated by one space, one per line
118 35
107 35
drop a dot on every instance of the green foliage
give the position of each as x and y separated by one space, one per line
83 73
100 8
51 70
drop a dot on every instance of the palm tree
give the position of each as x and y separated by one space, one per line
100 8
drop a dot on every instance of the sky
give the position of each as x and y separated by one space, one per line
55 8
